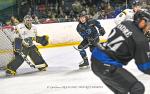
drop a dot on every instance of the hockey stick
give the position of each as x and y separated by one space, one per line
28 62
100 46
24 57
80 49
86 46
31 64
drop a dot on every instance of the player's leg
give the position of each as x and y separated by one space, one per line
82 46
14 64
94 44
91 47
18 59
119 80
37 58
113 89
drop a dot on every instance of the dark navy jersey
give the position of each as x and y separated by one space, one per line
88 29
125 42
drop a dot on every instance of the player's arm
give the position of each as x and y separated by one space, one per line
19 41
121 17
16 30
81 32
100 28
43 40
144 67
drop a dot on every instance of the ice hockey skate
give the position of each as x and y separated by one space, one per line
84 64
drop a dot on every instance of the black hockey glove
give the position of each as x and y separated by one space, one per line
102 31
18 45
93 41
43 40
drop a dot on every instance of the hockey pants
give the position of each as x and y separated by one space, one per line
119 80
85 44
33 53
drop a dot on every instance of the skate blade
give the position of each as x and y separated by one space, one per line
84 67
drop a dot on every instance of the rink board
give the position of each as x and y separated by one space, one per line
65 34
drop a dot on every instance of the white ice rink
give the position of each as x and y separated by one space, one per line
62 76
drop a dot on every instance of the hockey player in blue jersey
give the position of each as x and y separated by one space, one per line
87 28
128 40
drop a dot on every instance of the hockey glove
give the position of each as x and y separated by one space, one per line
102 31
43 40
91 40
18 45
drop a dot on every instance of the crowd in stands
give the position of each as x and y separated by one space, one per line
59 11
96 9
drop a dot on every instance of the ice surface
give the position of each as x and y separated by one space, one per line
62 77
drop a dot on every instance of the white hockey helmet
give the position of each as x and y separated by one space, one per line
27 20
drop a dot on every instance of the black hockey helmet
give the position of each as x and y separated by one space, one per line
141 15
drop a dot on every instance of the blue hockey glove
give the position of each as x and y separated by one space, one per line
43 40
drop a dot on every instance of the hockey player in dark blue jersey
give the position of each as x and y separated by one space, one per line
128 40
87 29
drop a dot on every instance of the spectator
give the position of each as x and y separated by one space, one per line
35 20
77 7
14 21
